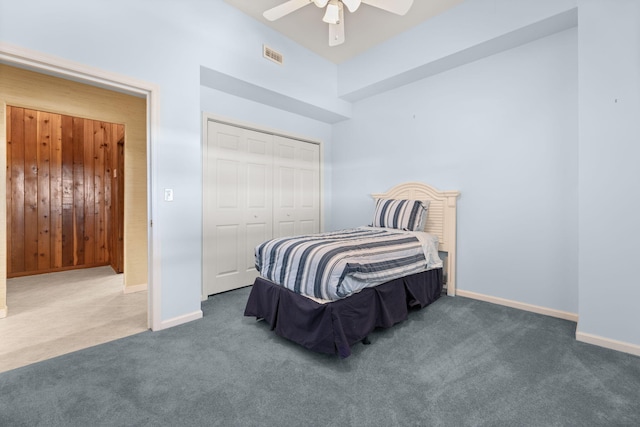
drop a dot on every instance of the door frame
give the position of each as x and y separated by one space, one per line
46 64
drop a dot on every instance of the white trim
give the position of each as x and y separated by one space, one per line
204 149
520 305
43 63
154 260
622 346
185 318
134 289
4 312
48 64
258 128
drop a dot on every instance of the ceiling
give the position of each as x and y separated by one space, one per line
365 28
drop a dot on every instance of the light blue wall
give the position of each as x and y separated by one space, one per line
166 42
471 30
609 169
459 102
503 131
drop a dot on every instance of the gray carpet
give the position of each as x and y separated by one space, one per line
458 362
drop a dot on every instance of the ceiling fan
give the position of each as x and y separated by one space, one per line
334 14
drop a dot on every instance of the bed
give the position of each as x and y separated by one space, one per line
303 308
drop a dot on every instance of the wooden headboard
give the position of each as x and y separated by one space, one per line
441 219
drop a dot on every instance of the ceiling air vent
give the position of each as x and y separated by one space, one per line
271 54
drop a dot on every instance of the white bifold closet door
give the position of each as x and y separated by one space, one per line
254 184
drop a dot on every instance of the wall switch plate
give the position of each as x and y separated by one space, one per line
168 195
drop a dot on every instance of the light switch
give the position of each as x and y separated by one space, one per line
168 195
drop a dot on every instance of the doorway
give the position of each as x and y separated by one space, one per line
31 90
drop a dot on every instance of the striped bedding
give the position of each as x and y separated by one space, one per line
331 266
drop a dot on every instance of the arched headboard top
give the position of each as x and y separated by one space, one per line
441 218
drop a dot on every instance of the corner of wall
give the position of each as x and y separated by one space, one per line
135 288
609 343
186 318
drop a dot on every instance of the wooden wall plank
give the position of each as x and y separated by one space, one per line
117 190
89 195
98 144
78 190
55 172
109 136
9 184
16 238
67 191
119 216
43 208
30 190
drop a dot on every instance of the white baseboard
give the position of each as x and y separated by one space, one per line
185 318
4 311
519 305
135 288
622 346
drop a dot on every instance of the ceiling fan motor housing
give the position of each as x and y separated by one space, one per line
334 12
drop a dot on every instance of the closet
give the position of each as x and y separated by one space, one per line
256 186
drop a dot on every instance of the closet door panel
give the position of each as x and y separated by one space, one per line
256 234
284 228
286 187
228 195
238 173
257 186
297 187
226 249
284 209
223 225
309 193
259 198
308 227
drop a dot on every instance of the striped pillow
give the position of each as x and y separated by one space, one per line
408 215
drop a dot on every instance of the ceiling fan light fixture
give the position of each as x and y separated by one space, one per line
332 15
334 12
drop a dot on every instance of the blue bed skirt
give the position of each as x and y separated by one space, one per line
334 327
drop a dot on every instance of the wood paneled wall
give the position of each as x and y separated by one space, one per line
64 205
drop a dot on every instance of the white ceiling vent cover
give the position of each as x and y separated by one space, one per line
272 55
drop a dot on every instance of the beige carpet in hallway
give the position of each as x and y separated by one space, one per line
58 313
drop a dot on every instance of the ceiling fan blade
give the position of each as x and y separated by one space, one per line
321 3
336 31
352 5
284 9
399 7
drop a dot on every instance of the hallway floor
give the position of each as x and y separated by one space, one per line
58 313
